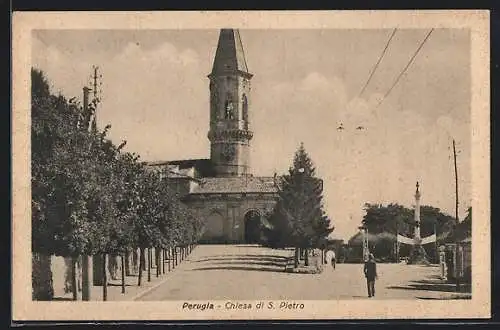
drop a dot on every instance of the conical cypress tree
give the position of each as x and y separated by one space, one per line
298 218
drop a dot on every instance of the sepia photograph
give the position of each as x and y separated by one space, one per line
233 168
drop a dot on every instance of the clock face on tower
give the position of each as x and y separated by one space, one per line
228 152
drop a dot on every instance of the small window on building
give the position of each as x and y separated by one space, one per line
229 109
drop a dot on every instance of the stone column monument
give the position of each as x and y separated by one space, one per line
418 255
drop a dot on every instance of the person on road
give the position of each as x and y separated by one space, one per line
370 270
333 259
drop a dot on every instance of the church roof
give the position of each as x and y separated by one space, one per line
234 185
229 55
203 167
183 163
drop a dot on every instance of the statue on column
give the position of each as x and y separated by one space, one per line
417 254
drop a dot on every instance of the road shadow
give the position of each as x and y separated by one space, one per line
239 256
119 284
246 257
427 285
61 299
252 269
251 262
456 297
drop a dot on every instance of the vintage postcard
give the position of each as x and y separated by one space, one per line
251 165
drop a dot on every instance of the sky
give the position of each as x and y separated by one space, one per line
306 82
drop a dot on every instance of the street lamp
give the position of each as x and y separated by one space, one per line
366 250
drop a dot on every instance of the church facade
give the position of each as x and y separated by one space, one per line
222 190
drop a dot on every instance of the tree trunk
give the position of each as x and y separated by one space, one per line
128 270
135 261
157 257
169 256
149 265
104 279
296 258
143 255
163 261
141 266
86 277
74 288
123 273
306 257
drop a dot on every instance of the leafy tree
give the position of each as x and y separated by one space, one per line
388 220
59 174
458 231
392 218
91 198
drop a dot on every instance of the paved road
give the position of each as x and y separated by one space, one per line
219 272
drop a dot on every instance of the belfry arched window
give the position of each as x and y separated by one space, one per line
244 105
228 108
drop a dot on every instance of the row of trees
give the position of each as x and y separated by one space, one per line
298 219
384 222
394 218
89 197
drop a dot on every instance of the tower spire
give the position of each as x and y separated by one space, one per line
230 56
229 132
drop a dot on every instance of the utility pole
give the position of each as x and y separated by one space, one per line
96 82
456 182
457 273
90 123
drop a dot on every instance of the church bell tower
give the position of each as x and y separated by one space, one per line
229 132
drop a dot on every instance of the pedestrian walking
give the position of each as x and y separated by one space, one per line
370 270
331 257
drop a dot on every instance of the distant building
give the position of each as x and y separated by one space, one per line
222 190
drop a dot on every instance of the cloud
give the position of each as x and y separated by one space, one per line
377 164
137 89
165 52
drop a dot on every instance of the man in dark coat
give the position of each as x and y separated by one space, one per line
370 271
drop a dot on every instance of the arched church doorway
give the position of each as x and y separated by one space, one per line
252 227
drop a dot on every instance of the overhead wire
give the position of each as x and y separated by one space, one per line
406 67
381 56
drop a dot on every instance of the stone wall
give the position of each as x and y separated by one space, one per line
224 215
